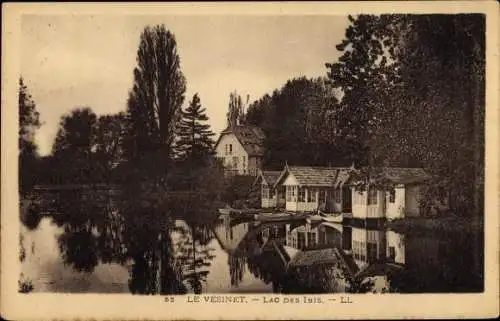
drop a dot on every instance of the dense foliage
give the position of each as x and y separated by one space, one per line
406 91
297 121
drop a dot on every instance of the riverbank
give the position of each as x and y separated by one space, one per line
444 224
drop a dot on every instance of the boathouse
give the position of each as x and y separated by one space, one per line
403 199
270 196
240 148
309 189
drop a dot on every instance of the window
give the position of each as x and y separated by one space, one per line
311 195
311 239
230 149
301 240
289 193
329 194
265 191
244 162
322 237
302 194
235 161
392 195
362 251
226 149
372 196
322 195
337 194
392 253
372 252
356 249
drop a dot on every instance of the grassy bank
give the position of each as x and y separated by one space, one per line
444 224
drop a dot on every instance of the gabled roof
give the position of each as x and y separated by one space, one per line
317 176
400 175
250 137
270 177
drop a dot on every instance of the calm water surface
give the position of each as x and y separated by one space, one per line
103 243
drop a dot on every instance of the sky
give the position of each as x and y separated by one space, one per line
70 61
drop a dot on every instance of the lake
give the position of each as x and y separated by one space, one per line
106 242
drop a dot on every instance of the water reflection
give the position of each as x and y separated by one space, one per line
104 241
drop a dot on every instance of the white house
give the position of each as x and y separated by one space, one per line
403 200
309 189
270 196
241 148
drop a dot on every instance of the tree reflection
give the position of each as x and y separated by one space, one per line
31 215
79 247
83 219
101 228
236 262
194 255
147 237
269 268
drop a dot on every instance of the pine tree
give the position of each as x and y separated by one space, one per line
195 138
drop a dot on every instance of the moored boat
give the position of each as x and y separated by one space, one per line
281 216
332 218
247 213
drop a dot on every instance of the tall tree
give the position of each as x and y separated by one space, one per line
195 137
363 74
445 89
297 121
74 145
109 146
236 110
29 122
155 100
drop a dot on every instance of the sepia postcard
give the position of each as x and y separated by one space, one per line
246 160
